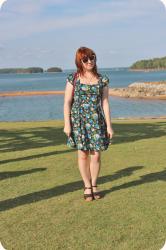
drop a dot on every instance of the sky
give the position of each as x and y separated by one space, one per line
47 33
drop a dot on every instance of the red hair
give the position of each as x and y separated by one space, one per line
80 53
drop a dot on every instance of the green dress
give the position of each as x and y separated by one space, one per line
88 125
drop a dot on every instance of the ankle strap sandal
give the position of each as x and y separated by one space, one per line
96 195
88 195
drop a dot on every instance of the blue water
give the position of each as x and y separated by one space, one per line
30 108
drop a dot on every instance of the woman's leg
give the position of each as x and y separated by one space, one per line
83 162
95 164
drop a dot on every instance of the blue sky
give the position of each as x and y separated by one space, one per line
46 33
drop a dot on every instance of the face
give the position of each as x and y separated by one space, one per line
88 62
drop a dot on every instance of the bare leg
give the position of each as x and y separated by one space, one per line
95 164
83 162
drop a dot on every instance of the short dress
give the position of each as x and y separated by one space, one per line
88 125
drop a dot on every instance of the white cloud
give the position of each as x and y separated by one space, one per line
26 19
2 3
26 25
163 2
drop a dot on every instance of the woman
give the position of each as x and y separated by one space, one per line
87 121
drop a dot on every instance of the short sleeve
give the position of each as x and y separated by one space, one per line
105 80
70 78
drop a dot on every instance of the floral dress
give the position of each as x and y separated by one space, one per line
88 125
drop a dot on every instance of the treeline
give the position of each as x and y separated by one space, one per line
156 63
28 70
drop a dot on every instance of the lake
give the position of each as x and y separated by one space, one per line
33 108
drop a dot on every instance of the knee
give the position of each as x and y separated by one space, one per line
96 157
83 155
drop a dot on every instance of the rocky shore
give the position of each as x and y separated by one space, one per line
150 90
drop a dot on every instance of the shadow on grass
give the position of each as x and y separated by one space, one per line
11 174
22 139
30 157
152 177
71 187
133 132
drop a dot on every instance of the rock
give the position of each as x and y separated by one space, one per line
142 90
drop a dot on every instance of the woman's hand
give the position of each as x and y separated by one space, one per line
67 130
110 132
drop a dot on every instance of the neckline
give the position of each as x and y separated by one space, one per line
90 84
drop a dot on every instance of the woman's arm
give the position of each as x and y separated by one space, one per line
106 106
67 107
106 109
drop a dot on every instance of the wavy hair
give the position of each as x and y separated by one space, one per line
80 53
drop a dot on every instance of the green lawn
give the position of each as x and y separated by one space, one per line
42 205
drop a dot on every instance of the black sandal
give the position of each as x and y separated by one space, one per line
96 195
88 195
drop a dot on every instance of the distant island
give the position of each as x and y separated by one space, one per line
28 70
155 64
54 69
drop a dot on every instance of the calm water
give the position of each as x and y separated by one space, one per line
30 108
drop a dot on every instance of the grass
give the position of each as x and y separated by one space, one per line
42 204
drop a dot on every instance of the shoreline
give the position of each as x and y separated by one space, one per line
112 92
116 94
147 70
138 118
134 118
31 93
142 90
